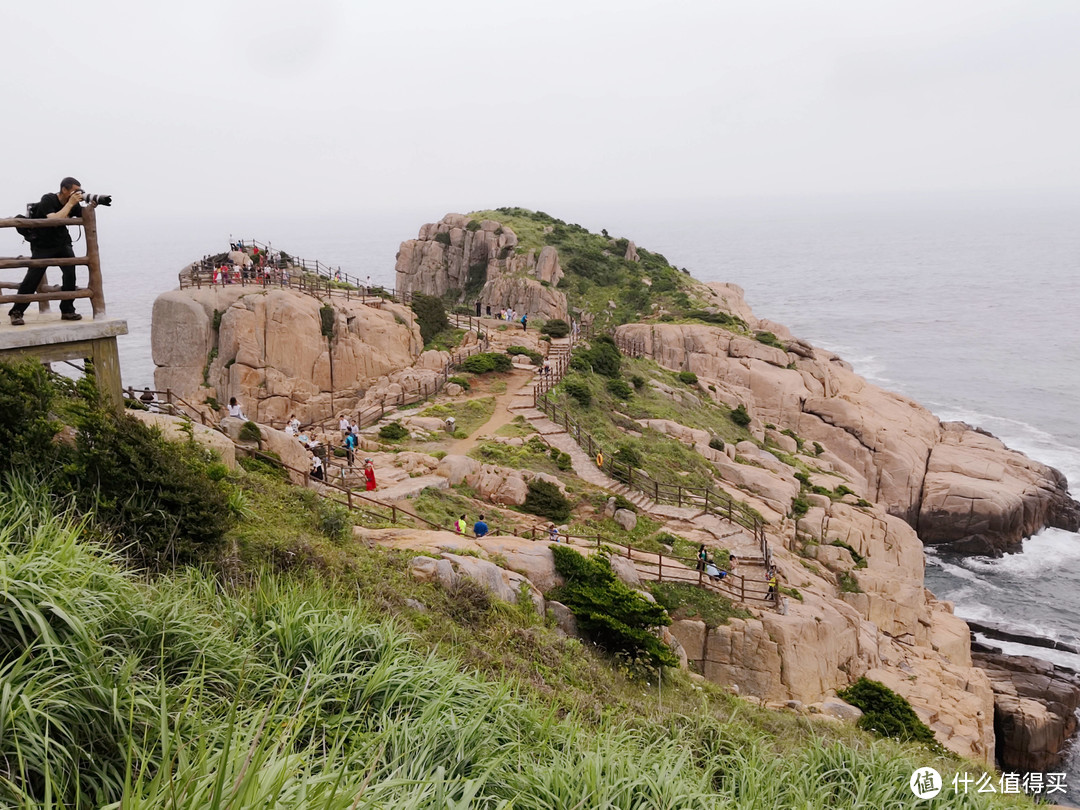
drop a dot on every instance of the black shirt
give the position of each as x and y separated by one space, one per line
53 237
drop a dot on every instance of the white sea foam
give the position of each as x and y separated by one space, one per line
1047 553
1059 657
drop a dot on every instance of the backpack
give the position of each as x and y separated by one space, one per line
29 234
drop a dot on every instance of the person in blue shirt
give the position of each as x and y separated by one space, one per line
480 528
350 447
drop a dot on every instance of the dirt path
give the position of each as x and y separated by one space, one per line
499 417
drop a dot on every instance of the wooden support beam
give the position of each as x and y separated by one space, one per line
68 295
44 222
20 262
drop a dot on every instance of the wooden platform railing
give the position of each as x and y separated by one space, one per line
91 261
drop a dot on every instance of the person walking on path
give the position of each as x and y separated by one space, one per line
369 474
478 307
480 528
460 525
350 447
525 322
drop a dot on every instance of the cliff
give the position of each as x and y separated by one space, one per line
268 349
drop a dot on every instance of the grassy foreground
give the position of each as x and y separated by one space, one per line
196 690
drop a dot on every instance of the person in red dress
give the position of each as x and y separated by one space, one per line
369 474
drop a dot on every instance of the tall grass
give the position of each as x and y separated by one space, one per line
181 692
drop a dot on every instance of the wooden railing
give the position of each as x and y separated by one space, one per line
91 261
715 503
629 347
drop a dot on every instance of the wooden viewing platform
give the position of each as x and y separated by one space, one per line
44 335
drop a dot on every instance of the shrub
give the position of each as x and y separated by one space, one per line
430 315
564 462
623 503
627 454
848 582
545 499
460 381
153 495
716 443
556 328
604 357
638 381
769 339
887 713
799 506
216 322
619 388
740 417
579 390
249 432
485 362
266 463
326 321
688 377
818 449
613 615
334 521
393 432
443 238
474 225
26 429
534 356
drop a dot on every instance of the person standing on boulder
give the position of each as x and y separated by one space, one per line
369 474
525 322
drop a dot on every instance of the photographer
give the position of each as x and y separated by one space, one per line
53 243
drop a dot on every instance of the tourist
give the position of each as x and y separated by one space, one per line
316 467
488 310
553 533
715 574
733 563
451 423
367 286
546 370
702 558
294 423
53 243
460 525
147 397
350 447
235 410
343 426
478 307
525 322
774 584
480 528
369 474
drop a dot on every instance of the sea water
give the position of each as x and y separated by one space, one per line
967 304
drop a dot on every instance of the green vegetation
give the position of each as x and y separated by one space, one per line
326 321
430 315
603 357
686 601
545 499
393 432
619 388
579 390
716 443
616 617
486 362
534 356
769 339
688 377
443 238
250 432
533 455
468 415
555 328
446 341
848 582
740 417
887 713
518 428
462 381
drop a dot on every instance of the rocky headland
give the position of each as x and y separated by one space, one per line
851 480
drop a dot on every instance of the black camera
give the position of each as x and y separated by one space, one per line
100 199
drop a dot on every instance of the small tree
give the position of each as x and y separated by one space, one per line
430 315
545 499
556 328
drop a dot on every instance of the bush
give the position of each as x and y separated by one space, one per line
153 495
249 432
716 443
619 388
769 339
465 386
443 238
335 521
326 321
393 432
534 356
545 499
740 417
688 377
604 357
799 506
627 454
485 362
610 612
26 429
623 503
579 390
430 315
556 328
887 713
848 582
638 381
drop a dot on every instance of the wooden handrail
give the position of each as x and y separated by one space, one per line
43 222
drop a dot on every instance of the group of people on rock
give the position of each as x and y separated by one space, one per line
707 565
507 314
240 265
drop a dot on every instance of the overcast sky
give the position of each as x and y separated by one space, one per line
329 106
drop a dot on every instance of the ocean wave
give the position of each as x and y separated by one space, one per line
962 572
1051 551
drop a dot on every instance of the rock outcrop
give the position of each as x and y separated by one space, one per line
1035 707
957 486
267 348
484 259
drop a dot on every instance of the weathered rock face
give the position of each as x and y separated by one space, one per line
1034 710
271 352
954 484
449 256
